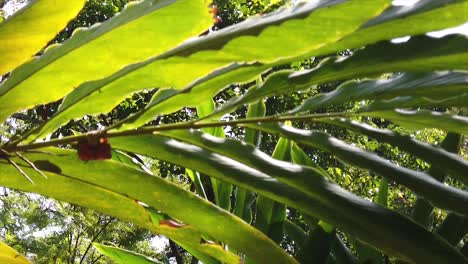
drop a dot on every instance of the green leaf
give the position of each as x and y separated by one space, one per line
331 203
454 228
317 245
195 94
244 198
417 102
430 15
196 179
444 160
439 194
257 109
115 87
222 190
410 24
115 189
30 29
316 248
424 119
433 89
433 86
382 196
422 211
270 215
295 232
419 54
342 253
366 253
249 41
87 56
300 157
123 256
11 256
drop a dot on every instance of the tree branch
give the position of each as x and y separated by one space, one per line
94 238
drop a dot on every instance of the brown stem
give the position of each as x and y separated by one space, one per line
177 126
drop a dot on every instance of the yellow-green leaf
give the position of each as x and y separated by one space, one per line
29 30
10 256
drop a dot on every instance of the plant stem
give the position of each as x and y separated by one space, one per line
176 126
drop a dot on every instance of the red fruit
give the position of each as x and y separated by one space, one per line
89 151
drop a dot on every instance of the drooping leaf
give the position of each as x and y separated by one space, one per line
433 89
416 120
422 211
446 161
11 256
454 228
316 248
87 56
434 86
419 54
29 30
114 189
122 256
317 245
350 213
421 183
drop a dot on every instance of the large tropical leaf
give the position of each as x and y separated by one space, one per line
144 75
245 42
111 186
412 90
330 202
409 23
416 120
88 54
270 215
433 86
439 194
30 29
449 162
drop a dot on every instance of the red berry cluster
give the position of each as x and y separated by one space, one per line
100 150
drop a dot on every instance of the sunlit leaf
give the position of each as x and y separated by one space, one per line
29 30
124 256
